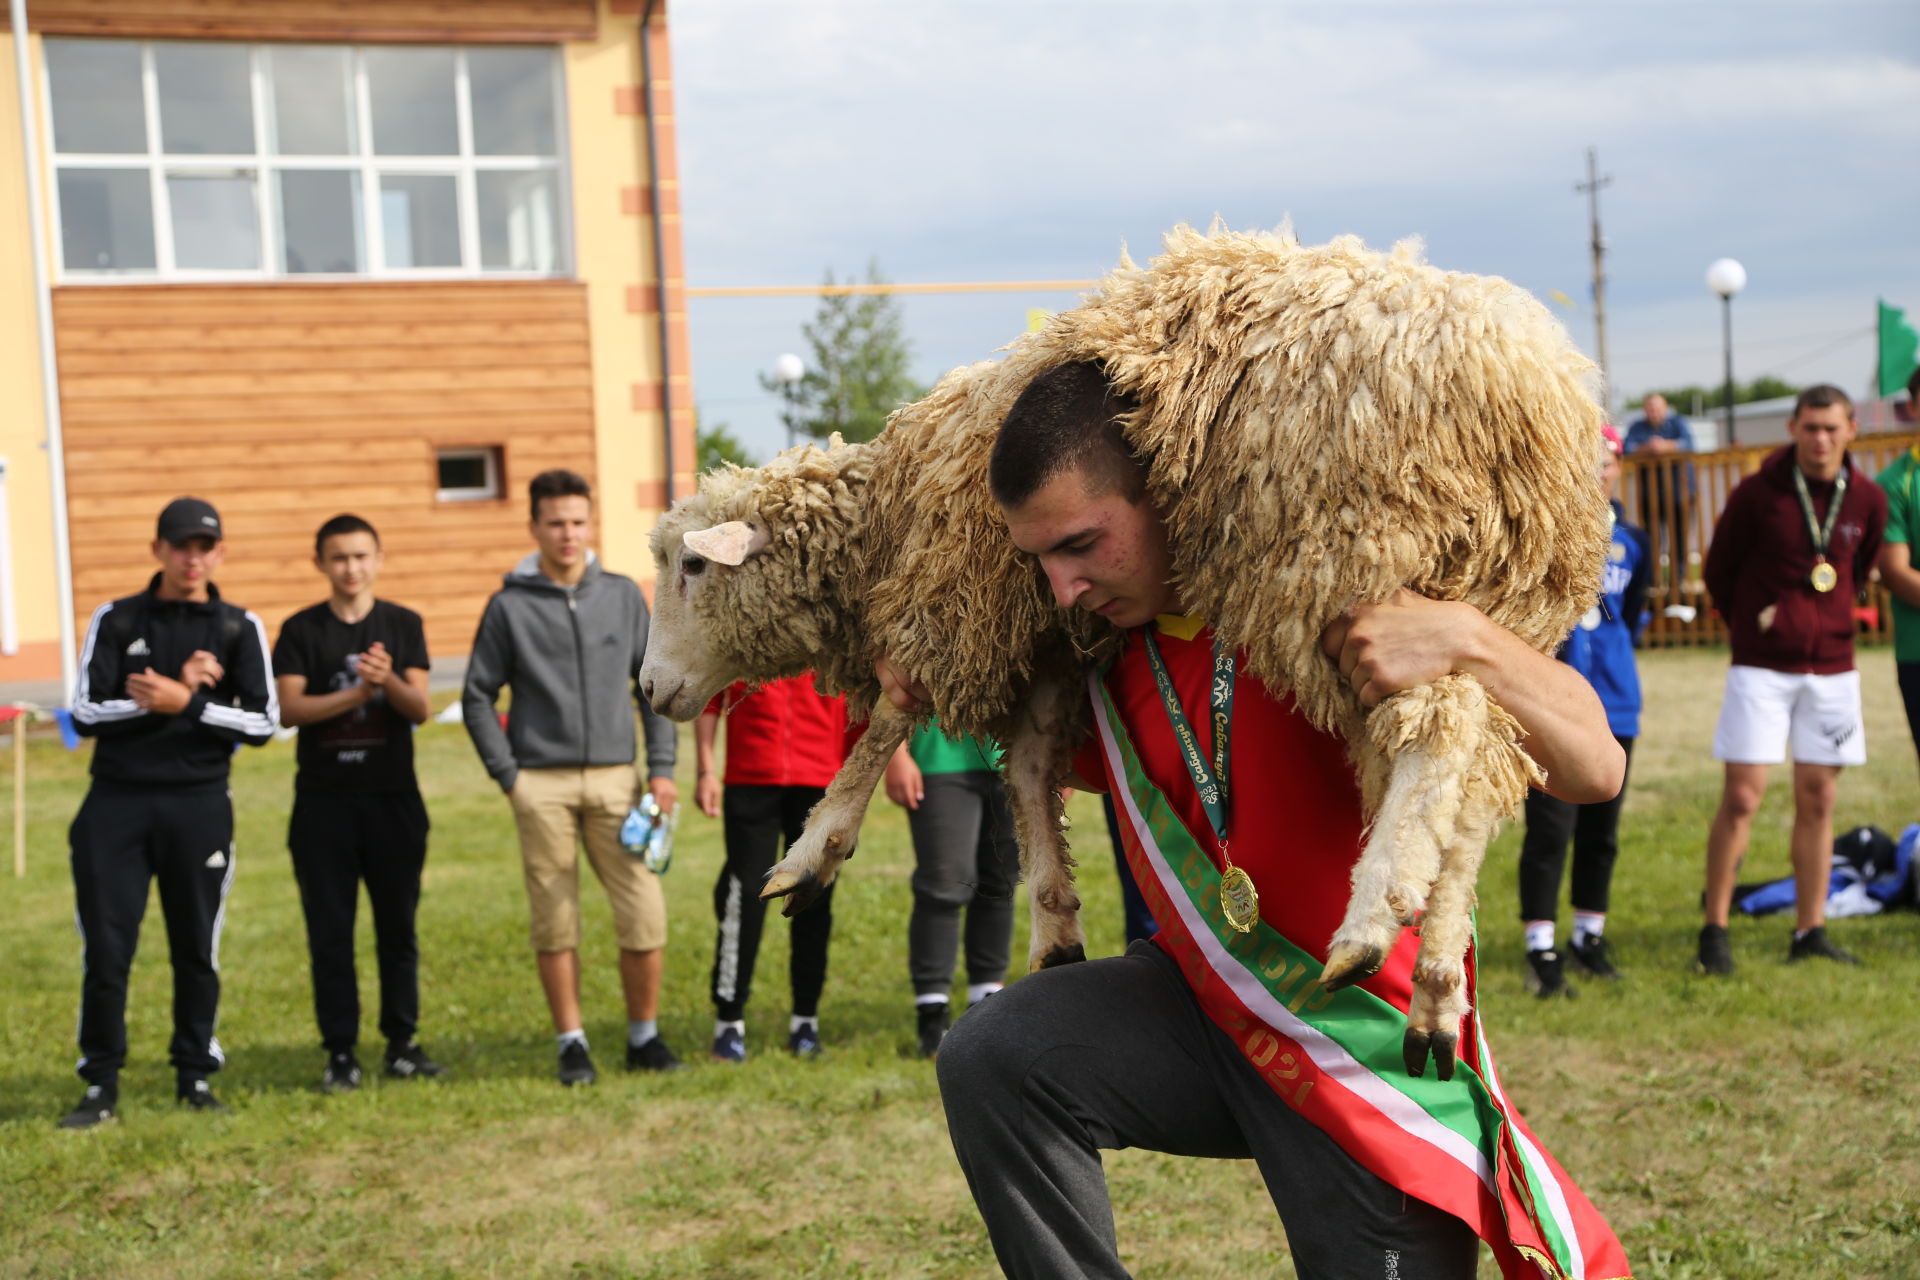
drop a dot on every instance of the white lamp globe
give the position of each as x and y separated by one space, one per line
789 368
1726 277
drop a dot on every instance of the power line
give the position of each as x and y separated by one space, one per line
837 290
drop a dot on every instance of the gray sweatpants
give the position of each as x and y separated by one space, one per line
1117 1053
964 859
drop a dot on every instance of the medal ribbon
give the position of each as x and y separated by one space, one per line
1822 533
1210 783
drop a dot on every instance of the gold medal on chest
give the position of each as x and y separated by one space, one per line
1824 577
1239 899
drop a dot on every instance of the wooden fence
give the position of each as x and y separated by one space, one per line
1678 497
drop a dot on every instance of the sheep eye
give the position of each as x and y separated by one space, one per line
693 566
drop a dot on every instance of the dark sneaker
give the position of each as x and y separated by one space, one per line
194 1093
576 1067
97 1106
1591 957
1547 975
654 1056
1814 944
805 1043
1716 951
730 1046
932 1019
410 1062
342 1074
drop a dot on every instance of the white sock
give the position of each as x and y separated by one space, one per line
978 991
796 1022
576 1035
932 999
1539 935
1588 924
719 1027
638 1033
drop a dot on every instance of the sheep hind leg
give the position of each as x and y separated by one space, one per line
1392 878
1439 1003
833 826
1034 764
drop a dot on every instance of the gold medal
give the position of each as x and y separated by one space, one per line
1824 577
1239 899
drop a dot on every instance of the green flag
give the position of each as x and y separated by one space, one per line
1899 349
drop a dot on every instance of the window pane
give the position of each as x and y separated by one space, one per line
215 223
419 220
106 220
206 99
320 221
518 222
312 108
512 101
97 103
463 471
411 96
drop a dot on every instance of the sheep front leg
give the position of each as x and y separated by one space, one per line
814 860
1036 760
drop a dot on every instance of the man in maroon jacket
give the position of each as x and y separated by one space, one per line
1789 556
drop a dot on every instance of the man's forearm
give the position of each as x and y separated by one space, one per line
1564 724
298 709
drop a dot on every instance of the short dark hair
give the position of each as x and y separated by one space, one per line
338 525
1821 396
557 483
1068 417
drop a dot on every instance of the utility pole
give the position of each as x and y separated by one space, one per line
1591 189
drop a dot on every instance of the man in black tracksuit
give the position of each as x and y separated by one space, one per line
170 680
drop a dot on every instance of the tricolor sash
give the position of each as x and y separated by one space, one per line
1335 1057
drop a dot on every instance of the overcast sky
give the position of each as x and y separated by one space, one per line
1031 139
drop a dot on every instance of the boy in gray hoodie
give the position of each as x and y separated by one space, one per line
567 637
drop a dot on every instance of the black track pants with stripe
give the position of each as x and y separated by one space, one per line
757 819
122 838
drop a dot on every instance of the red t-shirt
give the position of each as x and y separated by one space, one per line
1294 820
785 734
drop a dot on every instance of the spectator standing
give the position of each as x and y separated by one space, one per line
1666 484
1600 648
1899 573
965 862
1790 553
785 742
352 675
170 680
567 637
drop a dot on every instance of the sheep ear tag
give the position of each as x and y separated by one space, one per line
729 543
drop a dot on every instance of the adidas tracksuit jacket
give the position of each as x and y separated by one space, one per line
159 809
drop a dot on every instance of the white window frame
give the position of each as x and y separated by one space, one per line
266 164
489 457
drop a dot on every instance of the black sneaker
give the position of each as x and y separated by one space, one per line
342 1074
576 1067
410 1062
96 1106
1590 956
1815 943
1716 951
805 1042
1547 975
653 1056
730 1047
932 1018
193 1093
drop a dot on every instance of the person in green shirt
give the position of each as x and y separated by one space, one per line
965 861
1901 480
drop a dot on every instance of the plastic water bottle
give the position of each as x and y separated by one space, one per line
647 834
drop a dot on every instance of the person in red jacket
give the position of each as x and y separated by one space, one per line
785 741
1790 553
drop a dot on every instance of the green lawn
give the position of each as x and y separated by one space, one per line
1761 1127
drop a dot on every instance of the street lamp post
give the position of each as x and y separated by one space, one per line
788 369
1727 277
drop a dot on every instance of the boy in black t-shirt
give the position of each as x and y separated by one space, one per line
352 673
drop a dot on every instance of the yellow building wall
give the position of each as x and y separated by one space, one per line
23 424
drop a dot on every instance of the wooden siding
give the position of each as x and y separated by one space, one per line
284 405
443 21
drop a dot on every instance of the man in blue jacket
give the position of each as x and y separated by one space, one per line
567 636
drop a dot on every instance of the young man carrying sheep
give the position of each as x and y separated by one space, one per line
1164 1047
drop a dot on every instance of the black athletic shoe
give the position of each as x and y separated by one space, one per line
1591 957
575 1066
730 1047
195 1094
1547 975
410 1062
342 1074
97 1106
1716 951
805 1043
653 1056
932 1018
1815 943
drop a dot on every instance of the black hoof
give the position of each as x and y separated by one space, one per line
1444 1044
1413 1051
1369 964
1063 955
803 894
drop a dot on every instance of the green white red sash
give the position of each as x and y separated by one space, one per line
1335 1057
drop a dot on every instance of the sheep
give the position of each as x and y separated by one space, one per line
1323 425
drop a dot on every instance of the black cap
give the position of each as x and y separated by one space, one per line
189 518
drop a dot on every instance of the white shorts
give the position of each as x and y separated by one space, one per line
1763 708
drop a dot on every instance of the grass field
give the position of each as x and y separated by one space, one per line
1760 1127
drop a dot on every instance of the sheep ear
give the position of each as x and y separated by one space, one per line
729 543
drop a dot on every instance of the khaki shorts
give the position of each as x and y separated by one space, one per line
559 809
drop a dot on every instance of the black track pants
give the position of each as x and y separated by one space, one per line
1595 832
964 859
122 838
757 820
338 840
